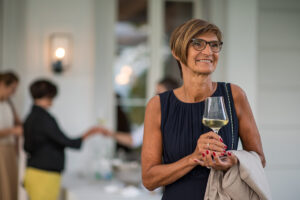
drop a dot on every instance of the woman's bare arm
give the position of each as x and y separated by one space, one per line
154 173
247 126
121 137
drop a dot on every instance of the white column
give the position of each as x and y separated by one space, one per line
12 43
198 9
241 46
217 15
156 19
105 19
12 34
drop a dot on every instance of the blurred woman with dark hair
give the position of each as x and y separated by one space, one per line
10 130
45 144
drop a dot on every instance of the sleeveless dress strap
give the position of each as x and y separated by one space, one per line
230 114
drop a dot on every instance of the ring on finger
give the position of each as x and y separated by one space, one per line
207 145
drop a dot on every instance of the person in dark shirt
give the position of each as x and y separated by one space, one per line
44 143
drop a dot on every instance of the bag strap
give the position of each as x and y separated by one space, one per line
230 114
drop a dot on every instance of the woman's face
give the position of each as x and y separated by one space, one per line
205 61
8 91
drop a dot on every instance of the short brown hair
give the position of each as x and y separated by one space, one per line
182 35
8 78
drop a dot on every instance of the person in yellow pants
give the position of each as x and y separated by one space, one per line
47 189
44 143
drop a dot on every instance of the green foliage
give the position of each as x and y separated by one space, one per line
136 113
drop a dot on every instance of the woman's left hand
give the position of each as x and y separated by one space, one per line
218 161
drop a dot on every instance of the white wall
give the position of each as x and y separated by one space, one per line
279 93
262 54
241 47
85 90
74 106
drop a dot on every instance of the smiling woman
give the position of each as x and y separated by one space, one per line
181 43
173 121
203 58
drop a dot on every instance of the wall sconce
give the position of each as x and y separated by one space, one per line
60 52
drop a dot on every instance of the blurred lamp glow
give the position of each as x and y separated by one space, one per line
123 78
60 52
126 69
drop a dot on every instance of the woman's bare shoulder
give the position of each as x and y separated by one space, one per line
240 100
152 120
154 102
238 93
153 106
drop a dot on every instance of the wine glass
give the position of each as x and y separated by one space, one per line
215 115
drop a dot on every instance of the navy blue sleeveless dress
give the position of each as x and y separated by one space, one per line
181 126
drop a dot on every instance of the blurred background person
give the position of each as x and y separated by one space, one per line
135 138
10 130
45 144
123 126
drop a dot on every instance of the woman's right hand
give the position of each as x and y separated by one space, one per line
207 143
92 131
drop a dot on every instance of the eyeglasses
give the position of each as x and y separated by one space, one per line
200 44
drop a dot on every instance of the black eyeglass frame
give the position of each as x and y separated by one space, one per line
194 40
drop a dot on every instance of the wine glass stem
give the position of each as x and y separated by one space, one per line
216 131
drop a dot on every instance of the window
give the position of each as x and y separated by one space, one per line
132 59
133 56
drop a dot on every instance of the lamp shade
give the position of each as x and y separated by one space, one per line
60 52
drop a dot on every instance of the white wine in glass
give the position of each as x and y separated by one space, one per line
215 115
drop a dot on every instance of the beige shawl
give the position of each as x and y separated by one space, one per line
245 180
